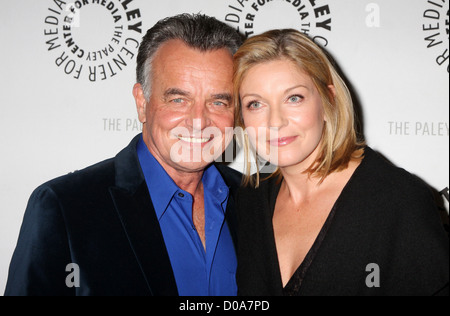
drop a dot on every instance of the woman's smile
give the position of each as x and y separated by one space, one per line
282 141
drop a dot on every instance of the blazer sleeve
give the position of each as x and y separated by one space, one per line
38 265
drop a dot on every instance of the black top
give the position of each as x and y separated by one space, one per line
384 216
292 288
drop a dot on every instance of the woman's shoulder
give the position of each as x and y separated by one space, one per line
377 170
389 190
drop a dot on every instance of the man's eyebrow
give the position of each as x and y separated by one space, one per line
175 91
179 92
222 96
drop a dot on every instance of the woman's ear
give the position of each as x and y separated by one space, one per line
332 97
332 90
141 102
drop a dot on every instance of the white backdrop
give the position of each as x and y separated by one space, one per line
68 67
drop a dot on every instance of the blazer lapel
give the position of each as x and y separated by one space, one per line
136 212
144 234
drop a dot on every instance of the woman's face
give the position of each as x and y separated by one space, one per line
283 113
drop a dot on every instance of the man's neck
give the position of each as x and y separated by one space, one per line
186 180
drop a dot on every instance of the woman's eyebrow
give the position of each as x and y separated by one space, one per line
255 95
293 88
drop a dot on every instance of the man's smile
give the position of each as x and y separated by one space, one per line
195 140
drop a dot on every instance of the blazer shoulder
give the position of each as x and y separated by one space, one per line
99 174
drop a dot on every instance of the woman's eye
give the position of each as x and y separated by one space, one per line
254 105
295 99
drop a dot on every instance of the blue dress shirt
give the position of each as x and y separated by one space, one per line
197 272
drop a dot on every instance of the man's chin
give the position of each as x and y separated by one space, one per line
192 167
195 157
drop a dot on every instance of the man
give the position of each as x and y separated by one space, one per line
158 218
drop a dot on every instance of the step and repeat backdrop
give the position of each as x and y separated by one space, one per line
68 68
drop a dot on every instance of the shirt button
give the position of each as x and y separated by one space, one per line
181 195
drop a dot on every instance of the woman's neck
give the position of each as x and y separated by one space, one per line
298 184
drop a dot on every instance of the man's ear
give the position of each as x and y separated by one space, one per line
141 102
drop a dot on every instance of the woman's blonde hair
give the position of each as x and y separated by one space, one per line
339 142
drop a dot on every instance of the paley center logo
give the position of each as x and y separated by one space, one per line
436 30
251 17
92 40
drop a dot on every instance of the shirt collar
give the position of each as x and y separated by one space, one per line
162 188
214 185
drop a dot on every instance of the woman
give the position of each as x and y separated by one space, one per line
335 219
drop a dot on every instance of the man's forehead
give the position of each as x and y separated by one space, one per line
178 52
183 71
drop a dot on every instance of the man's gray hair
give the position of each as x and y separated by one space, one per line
197 31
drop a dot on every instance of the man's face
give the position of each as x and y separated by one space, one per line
189 117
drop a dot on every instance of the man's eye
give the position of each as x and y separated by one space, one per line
220 103
179 100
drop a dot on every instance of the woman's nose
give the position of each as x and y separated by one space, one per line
276 118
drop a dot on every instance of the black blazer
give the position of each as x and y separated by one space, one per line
384 216
102 219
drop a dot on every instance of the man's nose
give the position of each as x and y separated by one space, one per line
199 117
